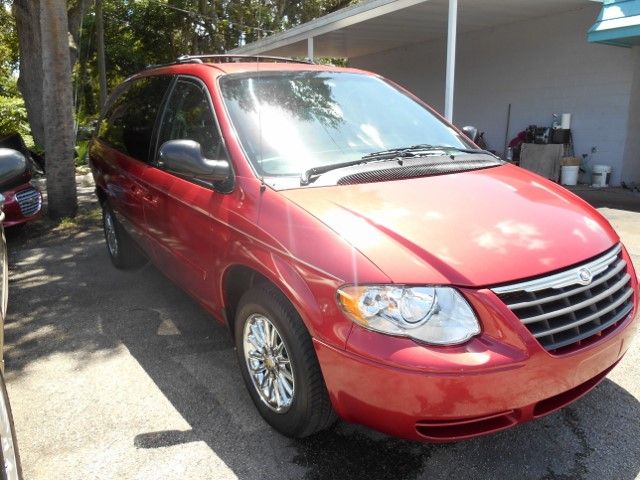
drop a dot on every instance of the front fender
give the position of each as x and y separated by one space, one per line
312 293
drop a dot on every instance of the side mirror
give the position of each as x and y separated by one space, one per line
471 132
184 157
13 166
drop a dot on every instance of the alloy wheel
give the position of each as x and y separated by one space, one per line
110 233
268 363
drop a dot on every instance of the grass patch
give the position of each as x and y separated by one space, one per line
44 229
85 218
67 223
82 146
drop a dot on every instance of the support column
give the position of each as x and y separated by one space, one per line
310 48
631 160
451 59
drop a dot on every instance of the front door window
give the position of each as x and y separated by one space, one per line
189 116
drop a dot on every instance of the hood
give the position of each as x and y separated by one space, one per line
476 228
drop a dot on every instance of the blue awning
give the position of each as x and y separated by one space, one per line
618 24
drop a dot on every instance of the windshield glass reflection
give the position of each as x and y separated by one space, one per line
289 122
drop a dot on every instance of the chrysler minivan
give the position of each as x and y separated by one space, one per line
370 262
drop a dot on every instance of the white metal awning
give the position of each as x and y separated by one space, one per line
378 25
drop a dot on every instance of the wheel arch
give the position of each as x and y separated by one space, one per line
240 277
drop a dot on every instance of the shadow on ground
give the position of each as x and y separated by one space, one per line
612 197
67 298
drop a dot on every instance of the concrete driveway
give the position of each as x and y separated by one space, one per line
121 375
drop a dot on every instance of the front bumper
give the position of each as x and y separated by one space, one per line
495 381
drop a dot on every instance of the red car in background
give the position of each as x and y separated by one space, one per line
23 203
23 200
369 260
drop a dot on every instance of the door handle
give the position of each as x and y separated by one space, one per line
136 191
150 198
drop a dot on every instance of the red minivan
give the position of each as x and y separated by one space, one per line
369 260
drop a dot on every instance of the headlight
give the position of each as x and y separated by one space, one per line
436 315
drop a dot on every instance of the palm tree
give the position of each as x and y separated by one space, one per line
58 109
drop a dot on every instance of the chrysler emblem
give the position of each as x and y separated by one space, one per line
584 276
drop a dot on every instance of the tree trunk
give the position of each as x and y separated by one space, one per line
58 110
76 14
27 15
102 68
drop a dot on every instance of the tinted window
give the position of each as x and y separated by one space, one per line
288 122
128 124
189 117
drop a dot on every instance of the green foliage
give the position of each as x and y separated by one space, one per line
140 33
13 114
8 52
82 146
13 118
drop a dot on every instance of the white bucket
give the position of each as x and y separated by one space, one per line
600 175
569 175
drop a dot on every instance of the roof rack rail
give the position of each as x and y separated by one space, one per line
231 58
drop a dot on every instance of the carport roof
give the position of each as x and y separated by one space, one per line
378 25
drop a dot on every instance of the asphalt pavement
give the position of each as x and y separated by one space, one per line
120 375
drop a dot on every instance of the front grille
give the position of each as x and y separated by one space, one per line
574 307
30 201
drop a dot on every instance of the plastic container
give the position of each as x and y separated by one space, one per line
600 175
569 175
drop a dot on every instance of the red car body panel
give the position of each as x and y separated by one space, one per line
445 230
120 176
471 230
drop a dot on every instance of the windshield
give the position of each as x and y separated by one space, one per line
288 122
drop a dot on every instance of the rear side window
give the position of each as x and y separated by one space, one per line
129 121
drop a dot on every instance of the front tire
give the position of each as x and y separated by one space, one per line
9 455
124 253
279 364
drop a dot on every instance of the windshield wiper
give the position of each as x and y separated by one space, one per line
309 175
418 150
306 176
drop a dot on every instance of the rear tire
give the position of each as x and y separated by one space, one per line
123 251
292 364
